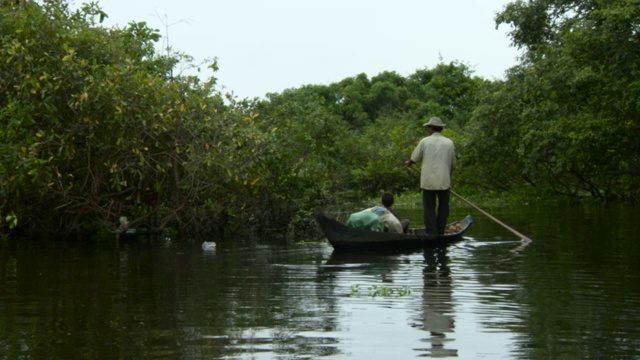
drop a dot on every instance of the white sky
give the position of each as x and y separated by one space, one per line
267 46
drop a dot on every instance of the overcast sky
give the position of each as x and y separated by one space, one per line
267 46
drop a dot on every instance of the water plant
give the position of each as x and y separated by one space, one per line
385 291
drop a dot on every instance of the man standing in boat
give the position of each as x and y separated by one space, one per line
437 156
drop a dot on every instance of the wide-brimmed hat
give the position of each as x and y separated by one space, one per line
435 121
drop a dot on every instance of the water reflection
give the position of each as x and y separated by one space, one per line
574 293
370 264
437 303
428 276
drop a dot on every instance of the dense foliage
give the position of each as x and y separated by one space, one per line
96 124
566 119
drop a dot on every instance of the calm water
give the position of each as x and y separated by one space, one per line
573 293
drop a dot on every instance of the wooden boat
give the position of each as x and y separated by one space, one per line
344 237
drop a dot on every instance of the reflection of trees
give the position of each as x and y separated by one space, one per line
144 301
437 306
437 302
256 300
371 263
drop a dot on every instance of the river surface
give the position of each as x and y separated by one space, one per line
573 293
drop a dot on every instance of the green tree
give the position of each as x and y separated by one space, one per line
579 84
448 90
353 100
302 162
487 152
94 127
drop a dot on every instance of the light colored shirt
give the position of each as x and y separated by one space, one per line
437 155
391 222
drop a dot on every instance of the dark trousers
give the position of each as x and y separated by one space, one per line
435 220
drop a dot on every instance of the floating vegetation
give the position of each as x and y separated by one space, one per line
385 291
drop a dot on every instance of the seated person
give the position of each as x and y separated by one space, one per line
391 222
379 218
387 202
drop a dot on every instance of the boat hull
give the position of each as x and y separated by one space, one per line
343 237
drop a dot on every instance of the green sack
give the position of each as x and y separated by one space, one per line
366 219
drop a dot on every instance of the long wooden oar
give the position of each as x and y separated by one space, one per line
524 238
